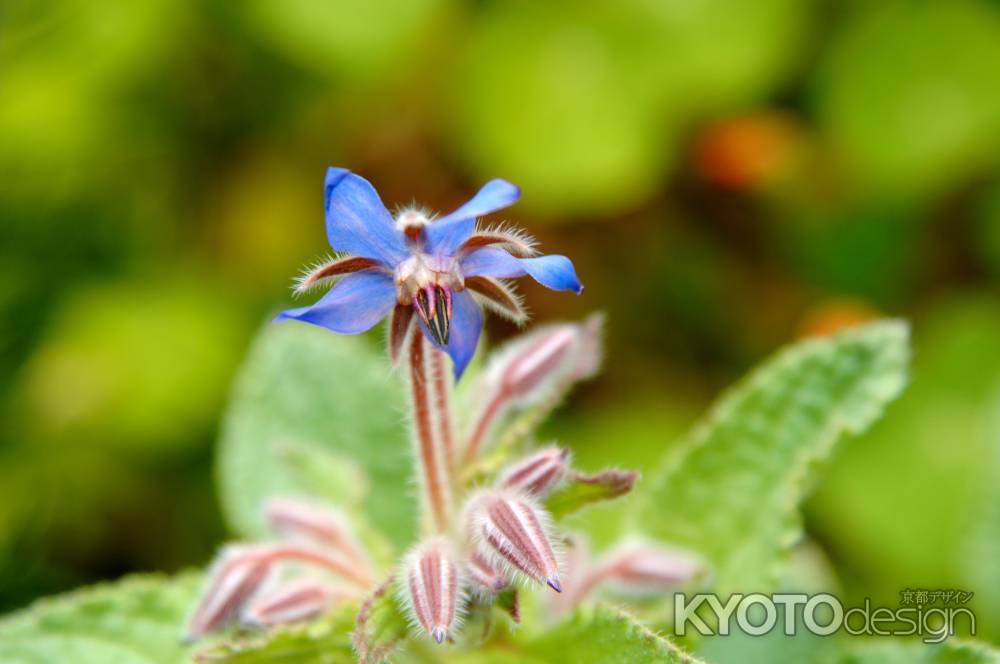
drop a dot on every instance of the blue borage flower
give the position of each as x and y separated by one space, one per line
442 268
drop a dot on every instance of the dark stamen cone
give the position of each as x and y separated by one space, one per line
442 314
433 305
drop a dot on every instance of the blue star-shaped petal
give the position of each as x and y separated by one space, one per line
442 269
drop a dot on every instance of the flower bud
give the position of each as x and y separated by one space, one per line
235 577
552 356
512 532
645 568
534 371
537 474
431 587
484 577
538 359
296 600
298 519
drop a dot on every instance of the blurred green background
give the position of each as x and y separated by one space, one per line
727 175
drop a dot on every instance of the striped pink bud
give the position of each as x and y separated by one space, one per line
513 532
431 587
534 370
550 356
483 576
298 519
647 567
236 576
299 599
537 474
538 359
241 571
641 569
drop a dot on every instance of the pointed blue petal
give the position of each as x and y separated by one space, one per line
552 271
354 304
356 220
445 234
466 324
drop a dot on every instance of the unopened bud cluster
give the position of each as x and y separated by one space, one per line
249 583
484 523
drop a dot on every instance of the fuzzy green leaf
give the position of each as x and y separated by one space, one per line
381 624
307 390
325 641
731 491
325 474
602 634
898 651
135 621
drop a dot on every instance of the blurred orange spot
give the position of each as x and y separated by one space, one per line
746 151
835 314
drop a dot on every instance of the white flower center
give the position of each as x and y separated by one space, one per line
421 270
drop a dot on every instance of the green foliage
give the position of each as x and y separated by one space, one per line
136 367
988 229
762 438
739 648
641 430
120 394
135 621
581 491
381 625
908 95
305 388
602 634
63 74
751 48
325 474
731 491
943 435
325 641
346 39
807 571
631 73
564 62
885 651
594 635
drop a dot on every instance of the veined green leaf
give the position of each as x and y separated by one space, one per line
135 621
312 391
898 651
325 641
602 634
380 626
731 491
324 473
